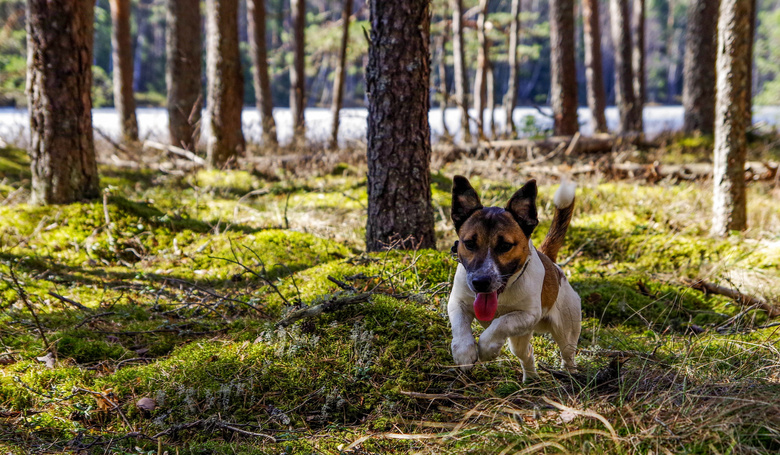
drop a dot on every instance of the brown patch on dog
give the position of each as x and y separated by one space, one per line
487 232
551 283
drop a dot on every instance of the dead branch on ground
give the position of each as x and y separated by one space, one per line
739 297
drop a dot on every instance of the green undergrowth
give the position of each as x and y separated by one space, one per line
172 290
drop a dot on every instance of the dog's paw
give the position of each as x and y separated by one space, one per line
489 348
530 376
464 354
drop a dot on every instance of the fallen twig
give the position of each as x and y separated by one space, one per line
23 295
331 304
175 150
741 298
210 424
435 396
93 317
70 301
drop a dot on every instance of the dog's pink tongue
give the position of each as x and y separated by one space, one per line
485 306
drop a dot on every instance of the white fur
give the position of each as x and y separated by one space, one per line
519 315
564 196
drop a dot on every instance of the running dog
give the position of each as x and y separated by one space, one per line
512 288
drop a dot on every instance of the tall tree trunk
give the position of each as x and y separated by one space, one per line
400 213
563 69
624 76
734 65
491 95
443 89
59 83
594 71
480 79
638 61
699 67
297 70
122 56
459 68
672 57
183 72
262 83
338 80
510 102
225 83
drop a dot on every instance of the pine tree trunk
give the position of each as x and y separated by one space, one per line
480 79
122 55
699 67
59 83
638 62
400 214
734 65
443 89
297 70
262 83
225 83
510 102
563 69
624 76
459 68
183 72
672 57
338 80
491 96
594 71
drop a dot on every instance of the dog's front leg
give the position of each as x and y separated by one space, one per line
516 323
464 349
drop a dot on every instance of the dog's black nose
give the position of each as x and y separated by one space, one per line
481 283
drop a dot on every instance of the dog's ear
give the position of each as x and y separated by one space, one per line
464 201
522 206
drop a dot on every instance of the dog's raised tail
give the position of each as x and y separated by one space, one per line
564 207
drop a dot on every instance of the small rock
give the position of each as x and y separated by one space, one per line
146 404
48 359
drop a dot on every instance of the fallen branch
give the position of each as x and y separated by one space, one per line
175 150
654 172
331 304
742 299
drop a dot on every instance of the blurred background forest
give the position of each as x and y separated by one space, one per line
665 29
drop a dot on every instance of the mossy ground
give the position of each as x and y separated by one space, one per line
181 281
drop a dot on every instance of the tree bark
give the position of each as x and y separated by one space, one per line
594 71
699 67
59 83
734 65
338 80
638 62
225 83
122 55
400 214
297 70
624 76
183 72
563 69
262 83
459 67
510 102
480 79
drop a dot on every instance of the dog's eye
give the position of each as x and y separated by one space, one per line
503 247
470 244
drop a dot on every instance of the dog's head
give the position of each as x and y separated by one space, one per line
492 241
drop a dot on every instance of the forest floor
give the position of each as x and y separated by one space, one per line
148 321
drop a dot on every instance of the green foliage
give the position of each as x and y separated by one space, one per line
767 57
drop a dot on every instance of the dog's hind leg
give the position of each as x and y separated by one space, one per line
566 339
522 348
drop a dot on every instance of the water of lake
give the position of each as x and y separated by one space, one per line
152 122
